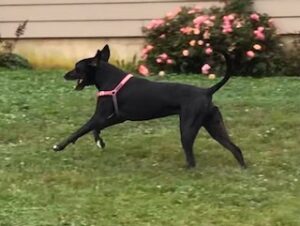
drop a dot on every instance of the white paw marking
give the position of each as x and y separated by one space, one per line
55 147
98 143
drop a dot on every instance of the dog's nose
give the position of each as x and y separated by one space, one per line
68 75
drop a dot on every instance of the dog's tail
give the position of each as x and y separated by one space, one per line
226 77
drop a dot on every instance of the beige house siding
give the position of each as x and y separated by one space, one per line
81 19
62 31
114 18
286 14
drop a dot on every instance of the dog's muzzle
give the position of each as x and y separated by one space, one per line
80 84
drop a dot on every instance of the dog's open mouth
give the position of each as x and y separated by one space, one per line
80 84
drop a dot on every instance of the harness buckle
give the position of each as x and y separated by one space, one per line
114 92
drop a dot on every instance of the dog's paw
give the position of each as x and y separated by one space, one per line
190 166
244 166
57 147
100 144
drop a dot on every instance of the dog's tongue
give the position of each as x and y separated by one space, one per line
79 85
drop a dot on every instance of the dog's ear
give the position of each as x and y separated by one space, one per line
105 53
95 61
101 55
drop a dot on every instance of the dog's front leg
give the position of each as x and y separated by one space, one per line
98 139
101 124
90 125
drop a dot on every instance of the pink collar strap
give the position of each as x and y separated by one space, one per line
114 92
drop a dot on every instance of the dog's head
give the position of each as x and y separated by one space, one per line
85 69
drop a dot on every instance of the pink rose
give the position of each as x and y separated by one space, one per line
260 29
254 16
208 51
200 42
192 11
257 47
227 30
146 50
196 31
209 23
260 36
259 33
206 35
250 54
143 70
231 17
186 30
227 24
155 24
199 20
239 24
192 42
205 69
171 15
212 17
144 57
225 18
149 48
158 60
185 52
170 61
163 56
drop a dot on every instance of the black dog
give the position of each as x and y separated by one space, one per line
141 99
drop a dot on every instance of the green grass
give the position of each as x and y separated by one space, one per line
140 178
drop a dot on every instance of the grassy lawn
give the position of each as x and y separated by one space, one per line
140 178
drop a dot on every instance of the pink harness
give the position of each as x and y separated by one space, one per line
114 92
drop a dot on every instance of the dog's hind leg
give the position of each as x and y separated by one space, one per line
98 139
189 127
214 125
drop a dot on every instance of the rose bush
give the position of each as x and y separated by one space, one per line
189 40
